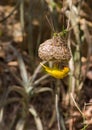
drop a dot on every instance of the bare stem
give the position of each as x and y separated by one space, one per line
59 116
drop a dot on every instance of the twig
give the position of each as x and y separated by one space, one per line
76 105
57 112
88 39
19 81
16 6
36 72
85 126
22 17
71 66
53 118
36 118
59 116
40 79
22 67
20 125
73 17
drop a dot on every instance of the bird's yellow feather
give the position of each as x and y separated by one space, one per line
55 72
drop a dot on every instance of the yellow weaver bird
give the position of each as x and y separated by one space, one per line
55 72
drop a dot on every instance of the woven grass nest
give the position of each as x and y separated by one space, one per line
54 49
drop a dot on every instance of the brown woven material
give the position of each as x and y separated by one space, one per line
54 49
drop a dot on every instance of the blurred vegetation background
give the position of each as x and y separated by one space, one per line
29 98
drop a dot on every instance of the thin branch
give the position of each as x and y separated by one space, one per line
22 17
16 6
57 112
37 70
40 79
59 116
22 67
76 105
36 118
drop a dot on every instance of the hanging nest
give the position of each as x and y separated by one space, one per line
54 49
